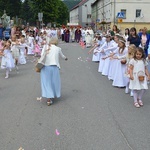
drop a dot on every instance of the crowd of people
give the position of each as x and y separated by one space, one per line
123 57
39 43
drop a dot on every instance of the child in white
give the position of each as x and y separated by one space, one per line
22 46
119 78
102 53
15 50
113 61
138 64
31 44
130 55
7 59
96 56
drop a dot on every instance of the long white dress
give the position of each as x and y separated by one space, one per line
88 38
96 56
7 60
15 50
107 61
31 44
112 64
102 55
22 59
138 66
119 78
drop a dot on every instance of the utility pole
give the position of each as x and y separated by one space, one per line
114 12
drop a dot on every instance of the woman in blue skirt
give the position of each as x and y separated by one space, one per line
50 76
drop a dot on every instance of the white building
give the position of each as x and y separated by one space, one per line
81 13
136 13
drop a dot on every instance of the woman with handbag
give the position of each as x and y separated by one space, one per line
50 76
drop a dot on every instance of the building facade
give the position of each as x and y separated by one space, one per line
106 13
81 13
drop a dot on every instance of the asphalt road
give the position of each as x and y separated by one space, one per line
90 115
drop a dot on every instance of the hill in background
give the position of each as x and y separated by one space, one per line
71 3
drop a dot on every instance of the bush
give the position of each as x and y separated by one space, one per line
148 31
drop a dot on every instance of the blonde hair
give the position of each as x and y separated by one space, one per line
132 47
54 41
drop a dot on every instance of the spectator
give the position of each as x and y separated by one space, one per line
145 39
2 29
134 38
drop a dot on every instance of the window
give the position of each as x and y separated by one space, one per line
124 12
88 15
138 13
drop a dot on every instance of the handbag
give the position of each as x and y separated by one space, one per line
41 62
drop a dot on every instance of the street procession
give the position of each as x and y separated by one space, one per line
75 75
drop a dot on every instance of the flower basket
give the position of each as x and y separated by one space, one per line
141 76
103 22
123 61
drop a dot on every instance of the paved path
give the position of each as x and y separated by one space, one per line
90 115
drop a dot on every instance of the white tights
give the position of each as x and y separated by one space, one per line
138 94
7 73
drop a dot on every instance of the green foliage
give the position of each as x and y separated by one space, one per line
63 14
148 31
53 10
49 8
26 13
12 7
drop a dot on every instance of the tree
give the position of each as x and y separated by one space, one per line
26 12
63 14
49 8
12 7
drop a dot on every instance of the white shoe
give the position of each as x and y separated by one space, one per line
7 76
131 93
126 90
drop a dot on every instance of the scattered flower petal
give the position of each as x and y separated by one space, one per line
20 148
39 98
57 132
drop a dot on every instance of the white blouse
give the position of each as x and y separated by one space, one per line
52 57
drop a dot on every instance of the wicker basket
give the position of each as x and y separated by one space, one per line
141 76
123 61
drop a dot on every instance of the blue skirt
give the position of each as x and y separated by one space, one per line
50 82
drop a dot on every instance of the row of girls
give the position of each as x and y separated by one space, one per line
123 64
15 51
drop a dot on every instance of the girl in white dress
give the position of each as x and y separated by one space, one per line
138 76
130 55
107 62
96 56
102 53
112 61
7 59
31 44
119 79
22 46
15 50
